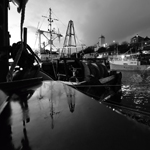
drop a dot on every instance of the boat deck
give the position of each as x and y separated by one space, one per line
58 117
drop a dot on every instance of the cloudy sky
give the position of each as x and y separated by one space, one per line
117 20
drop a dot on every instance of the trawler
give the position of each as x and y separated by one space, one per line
27 71
130 62
71 68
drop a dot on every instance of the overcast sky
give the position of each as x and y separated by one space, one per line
117 20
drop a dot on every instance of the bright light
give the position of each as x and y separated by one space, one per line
122 56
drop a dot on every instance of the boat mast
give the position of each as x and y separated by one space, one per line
50 30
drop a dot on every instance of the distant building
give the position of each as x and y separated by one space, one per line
146 48
136 39
140 40
101 41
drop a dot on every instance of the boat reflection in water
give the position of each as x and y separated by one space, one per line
59 117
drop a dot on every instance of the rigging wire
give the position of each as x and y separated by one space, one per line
44 19
39 27
36 35
79 41
59 19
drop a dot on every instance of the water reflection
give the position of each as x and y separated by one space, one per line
52 101
70 93
6 120
25 142
48 96
22 98
5 129
54 94
56 99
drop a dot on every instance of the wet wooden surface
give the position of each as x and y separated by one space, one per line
58 117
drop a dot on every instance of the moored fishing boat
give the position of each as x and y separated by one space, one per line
90 77
74 68
130 62
29 74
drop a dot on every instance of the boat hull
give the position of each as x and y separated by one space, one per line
97 87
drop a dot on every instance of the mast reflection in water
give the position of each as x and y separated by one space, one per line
49 97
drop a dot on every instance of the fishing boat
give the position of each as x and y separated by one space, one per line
25 72
79 72
130 62
90 77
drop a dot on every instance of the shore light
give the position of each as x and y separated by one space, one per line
122 56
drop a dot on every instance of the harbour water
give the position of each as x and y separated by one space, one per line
134 99
136 89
